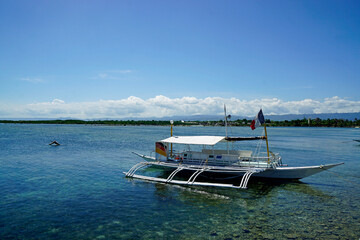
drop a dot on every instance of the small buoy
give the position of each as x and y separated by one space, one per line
55 143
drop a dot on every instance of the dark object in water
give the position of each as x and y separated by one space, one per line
357 140
55 143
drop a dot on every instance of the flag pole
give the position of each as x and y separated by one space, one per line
267 144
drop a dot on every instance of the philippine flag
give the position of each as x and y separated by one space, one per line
258 120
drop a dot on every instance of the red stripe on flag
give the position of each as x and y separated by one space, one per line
252 125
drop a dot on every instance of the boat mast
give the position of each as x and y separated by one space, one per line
171 134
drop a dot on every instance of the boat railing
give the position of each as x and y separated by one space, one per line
201 158
224 159
262 159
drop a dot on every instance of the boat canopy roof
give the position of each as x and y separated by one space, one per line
196 140
207 140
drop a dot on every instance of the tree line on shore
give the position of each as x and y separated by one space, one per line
239 122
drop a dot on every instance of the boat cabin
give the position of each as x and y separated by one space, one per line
206 154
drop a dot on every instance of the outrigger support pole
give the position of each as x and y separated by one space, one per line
267 144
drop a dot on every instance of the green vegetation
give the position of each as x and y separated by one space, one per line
317 122
240 122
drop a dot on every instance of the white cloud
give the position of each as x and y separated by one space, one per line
57 101
32 80
162 106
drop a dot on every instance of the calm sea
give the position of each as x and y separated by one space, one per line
77 190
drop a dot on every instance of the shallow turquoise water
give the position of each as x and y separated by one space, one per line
77 190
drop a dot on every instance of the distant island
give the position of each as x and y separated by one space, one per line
317 122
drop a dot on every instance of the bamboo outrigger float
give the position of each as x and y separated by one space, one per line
219 164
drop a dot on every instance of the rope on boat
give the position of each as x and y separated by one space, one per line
258 146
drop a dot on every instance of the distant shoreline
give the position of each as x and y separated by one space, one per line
240 122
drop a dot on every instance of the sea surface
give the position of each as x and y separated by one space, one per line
78 191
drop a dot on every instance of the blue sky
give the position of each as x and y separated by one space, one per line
108 58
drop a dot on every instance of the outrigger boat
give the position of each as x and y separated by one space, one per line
219 164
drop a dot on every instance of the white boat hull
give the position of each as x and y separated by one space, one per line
288 173
294 172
